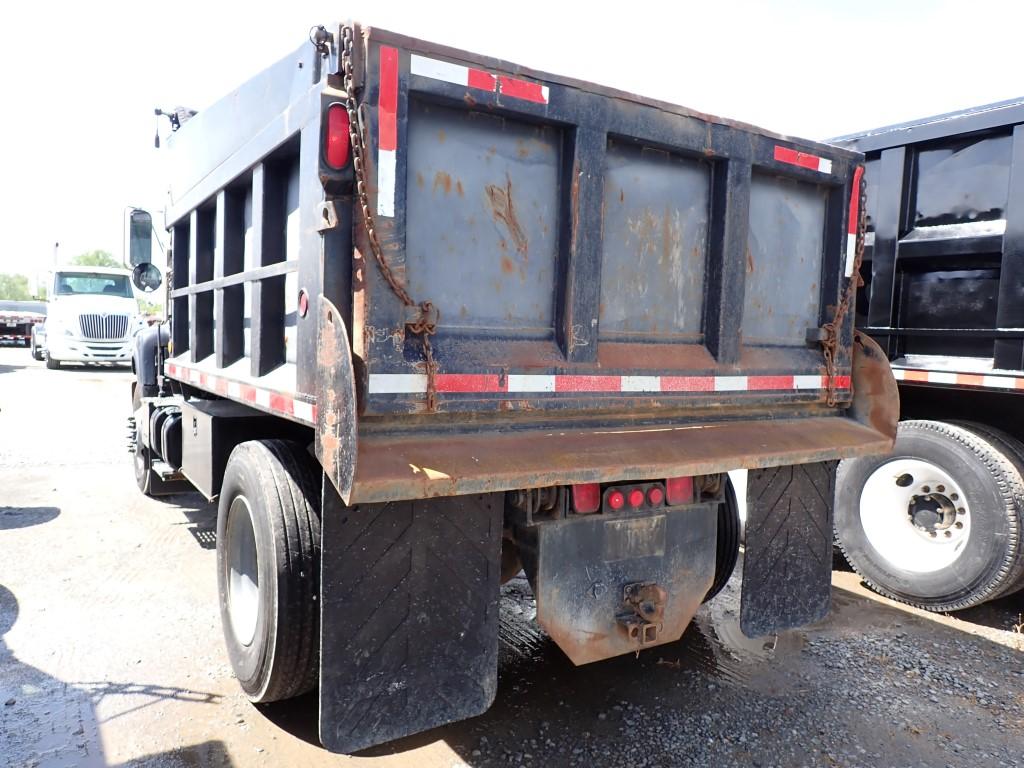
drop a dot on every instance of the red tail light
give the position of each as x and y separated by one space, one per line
679 490
636 498
586 498
655 496
336 142
616 500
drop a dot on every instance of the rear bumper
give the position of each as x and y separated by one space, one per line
72 350
392 467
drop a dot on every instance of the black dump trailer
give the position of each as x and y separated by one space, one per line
938 523
437 318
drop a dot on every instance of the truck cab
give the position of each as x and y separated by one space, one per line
92 316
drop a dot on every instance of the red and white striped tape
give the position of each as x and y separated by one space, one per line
416 383
802 159
479 79
422 66
853 222
283 403
981 380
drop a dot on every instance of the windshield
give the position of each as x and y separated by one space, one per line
74 283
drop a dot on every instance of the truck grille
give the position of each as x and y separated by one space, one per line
104 326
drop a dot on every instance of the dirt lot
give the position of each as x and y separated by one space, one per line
111 650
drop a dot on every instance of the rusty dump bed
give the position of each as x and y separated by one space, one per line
572 283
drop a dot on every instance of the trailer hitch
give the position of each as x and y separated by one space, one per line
644 604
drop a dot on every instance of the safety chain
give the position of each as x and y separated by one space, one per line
425 324
832 330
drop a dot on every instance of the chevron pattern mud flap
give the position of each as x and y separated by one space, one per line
409 616
787 562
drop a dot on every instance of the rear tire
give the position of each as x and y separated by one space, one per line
268 568
937 523
729 531
52 364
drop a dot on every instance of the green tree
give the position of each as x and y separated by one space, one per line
96 259
14 287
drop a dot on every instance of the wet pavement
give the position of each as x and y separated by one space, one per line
111 652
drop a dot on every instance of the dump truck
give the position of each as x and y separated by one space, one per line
938 523
437 319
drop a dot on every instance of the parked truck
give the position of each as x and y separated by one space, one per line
18 319
938 522
436 318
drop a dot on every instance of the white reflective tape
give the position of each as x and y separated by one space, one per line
851 254
262 398
439 70
898 374
303 411
530 383
730 383
386 183
941 377
824 165
808 382
398 383
193 375
544 90
1000 382
234 389
641 384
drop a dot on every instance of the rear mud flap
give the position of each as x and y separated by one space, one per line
409 616
787 563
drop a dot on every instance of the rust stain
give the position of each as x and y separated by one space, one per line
521 149
622 195
468 98
500 200
442 181
750 262
458 188
441 136
575 205
667 242
507 266
420 181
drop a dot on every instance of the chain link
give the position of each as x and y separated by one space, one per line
425 324
833 330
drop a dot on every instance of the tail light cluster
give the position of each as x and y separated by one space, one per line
588 498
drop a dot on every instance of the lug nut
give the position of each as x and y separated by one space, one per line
926 489
948 534
959 524
933 534
961 511
954 496
940 488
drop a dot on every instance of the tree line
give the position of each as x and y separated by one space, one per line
15 287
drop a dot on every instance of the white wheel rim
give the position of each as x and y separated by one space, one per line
243 596
915 515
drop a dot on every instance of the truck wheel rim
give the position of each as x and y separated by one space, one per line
915 515
243 572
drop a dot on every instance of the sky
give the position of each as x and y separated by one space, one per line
80 80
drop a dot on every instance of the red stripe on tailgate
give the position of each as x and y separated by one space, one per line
521 89
687 383
280 403
485 81
387 104
792 157
588 384
770 382
469 382
854 222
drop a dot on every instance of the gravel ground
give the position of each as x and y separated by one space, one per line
111 652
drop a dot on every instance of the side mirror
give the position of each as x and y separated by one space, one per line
140 237
146 277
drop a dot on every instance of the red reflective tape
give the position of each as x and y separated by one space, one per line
522 89
469 382
485 81
588 383
854 222
387 103
221 386
841 382
792 157
970 379
770 382
915 376
248 394
280 403
687 383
